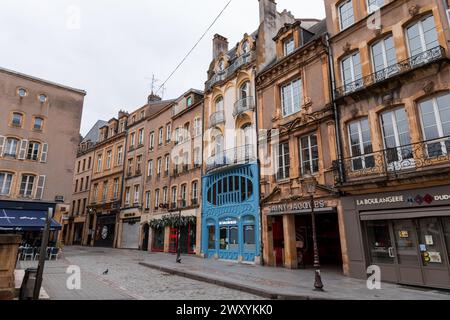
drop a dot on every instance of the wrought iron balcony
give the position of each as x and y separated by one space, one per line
394 162
239 62
220 76
216 118
243 105
235 156
402 67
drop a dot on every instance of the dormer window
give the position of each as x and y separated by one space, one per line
189 101
221 65
245 47
289 46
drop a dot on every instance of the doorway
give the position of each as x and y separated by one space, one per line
328 240
146 232
411 251
278 240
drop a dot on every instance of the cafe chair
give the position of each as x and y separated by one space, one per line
28 252
54 252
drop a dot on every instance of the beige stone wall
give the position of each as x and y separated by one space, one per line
61 114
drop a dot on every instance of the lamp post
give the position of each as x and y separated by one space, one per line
178 237
310 184
42 254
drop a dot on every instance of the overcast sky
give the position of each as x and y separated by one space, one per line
115 46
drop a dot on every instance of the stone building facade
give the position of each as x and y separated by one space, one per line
294 99
75 224
36 152
107 182
230 182
392 94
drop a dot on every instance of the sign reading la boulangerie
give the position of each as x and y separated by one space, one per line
418 199
297 206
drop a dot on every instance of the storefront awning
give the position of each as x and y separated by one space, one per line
25 220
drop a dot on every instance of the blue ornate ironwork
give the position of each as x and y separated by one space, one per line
230 206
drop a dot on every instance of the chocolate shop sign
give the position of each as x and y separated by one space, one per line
295 207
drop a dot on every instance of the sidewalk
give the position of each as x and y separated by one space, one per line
279 283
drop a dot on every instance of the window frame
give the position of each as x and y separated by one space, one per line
291 96
339 7
4 184
27 190
310 154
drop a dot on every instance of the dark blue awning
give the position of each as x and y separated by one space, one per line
25 220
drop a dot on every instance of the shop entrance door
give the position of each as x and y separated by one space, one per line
407 253
412 252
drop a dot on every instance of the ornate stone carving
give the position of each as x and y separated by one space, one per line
347 46
428 87
414 10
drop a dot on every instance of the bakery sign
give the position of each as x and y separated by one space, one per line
297 207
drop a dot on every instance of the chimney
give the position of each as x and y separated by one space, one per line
153 98
220 45
267 10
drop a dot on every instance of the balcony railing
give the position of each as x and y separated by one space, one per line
402 67
239 62
243 105
216 118
235 156
395 161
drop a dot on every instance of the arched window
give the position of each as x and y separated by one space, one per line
219 104
244 90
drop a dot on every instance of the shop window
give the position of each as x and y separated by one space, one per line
158 240
379 242
211 237
249 234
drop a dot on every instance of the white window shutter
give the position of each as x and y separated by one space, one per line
40 187
23 149
44 152
2 145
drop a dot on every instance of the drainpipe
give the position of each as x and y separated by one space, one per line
335 108
261 247
125 152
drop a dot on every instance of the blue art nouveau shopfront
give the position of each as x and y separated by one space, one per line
230 217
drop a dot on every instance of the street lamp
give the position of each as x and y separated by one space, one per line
310 185
178 237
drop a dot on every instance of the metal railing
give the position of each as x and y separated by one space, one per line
402 67
243 105
395 161
216 118
235 156
239 62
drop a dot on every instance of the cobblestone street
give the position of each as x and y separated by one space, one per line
126 279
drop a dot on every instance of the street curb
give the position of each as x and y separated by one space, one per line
229 284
